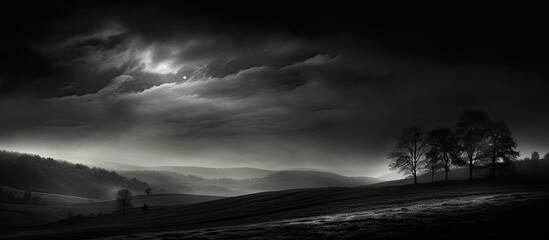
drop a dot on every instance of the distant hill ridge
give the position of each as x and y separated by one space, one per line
204 172
36 173
277 180
311 179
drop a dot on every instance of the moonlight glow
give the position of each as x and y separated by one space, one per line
165 66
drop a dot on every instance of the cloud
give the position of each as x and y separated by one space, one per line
156 85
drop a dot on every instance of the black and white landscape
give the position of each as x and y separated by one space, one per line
272 120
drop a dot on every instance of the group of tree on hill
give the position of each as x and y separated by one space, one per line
535 157
475 141
27 198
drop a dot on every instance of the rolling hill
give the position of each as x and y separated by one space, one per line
14 215
379 212
204 172
284 180
234 173
523 169
53 199
277 180
38 174
166 181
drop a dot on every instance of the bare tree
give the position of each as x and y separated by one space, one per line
124 200
27 197
148 191
501 146
409 152
444 149
433 165
471 131
535 156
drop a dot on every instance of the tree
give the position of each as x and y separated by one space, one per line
535 156
409 152
433 165
145 208
500 145
471 132
27 196
148 191
124 200
444 149
546 157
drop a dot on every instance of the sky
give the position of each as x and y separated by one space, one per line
273 85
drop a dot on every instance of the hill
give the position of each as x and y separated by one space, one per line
204 172
424 211
52 199
13 215
281 180
390 176
35 173
523 169
234 173
307 179
167 181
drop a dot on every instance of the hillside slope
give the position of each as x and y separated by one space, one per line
35 173
293 204
13 215
280 180
53 199
234 173
203 172
523 169
284 180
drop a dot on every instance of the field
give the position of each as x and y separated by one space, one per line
481 208
16 215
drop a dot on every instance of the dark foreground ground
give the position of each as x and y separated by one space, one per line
453 210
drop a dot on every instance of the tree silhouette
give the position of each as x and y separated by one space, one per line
124 200
433 165
148 191
500 145
546 156
409 152
444 149
27 196
535 156
145 208
471 131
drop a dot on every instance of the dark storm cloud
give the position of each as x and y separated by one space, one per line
192 85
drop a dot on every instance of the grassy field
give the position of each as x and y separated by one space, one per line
454 209
17 215
53 198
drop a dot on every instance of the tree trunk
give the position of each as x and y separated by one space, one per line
471 171
433 177
494 167
415 179
446 173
